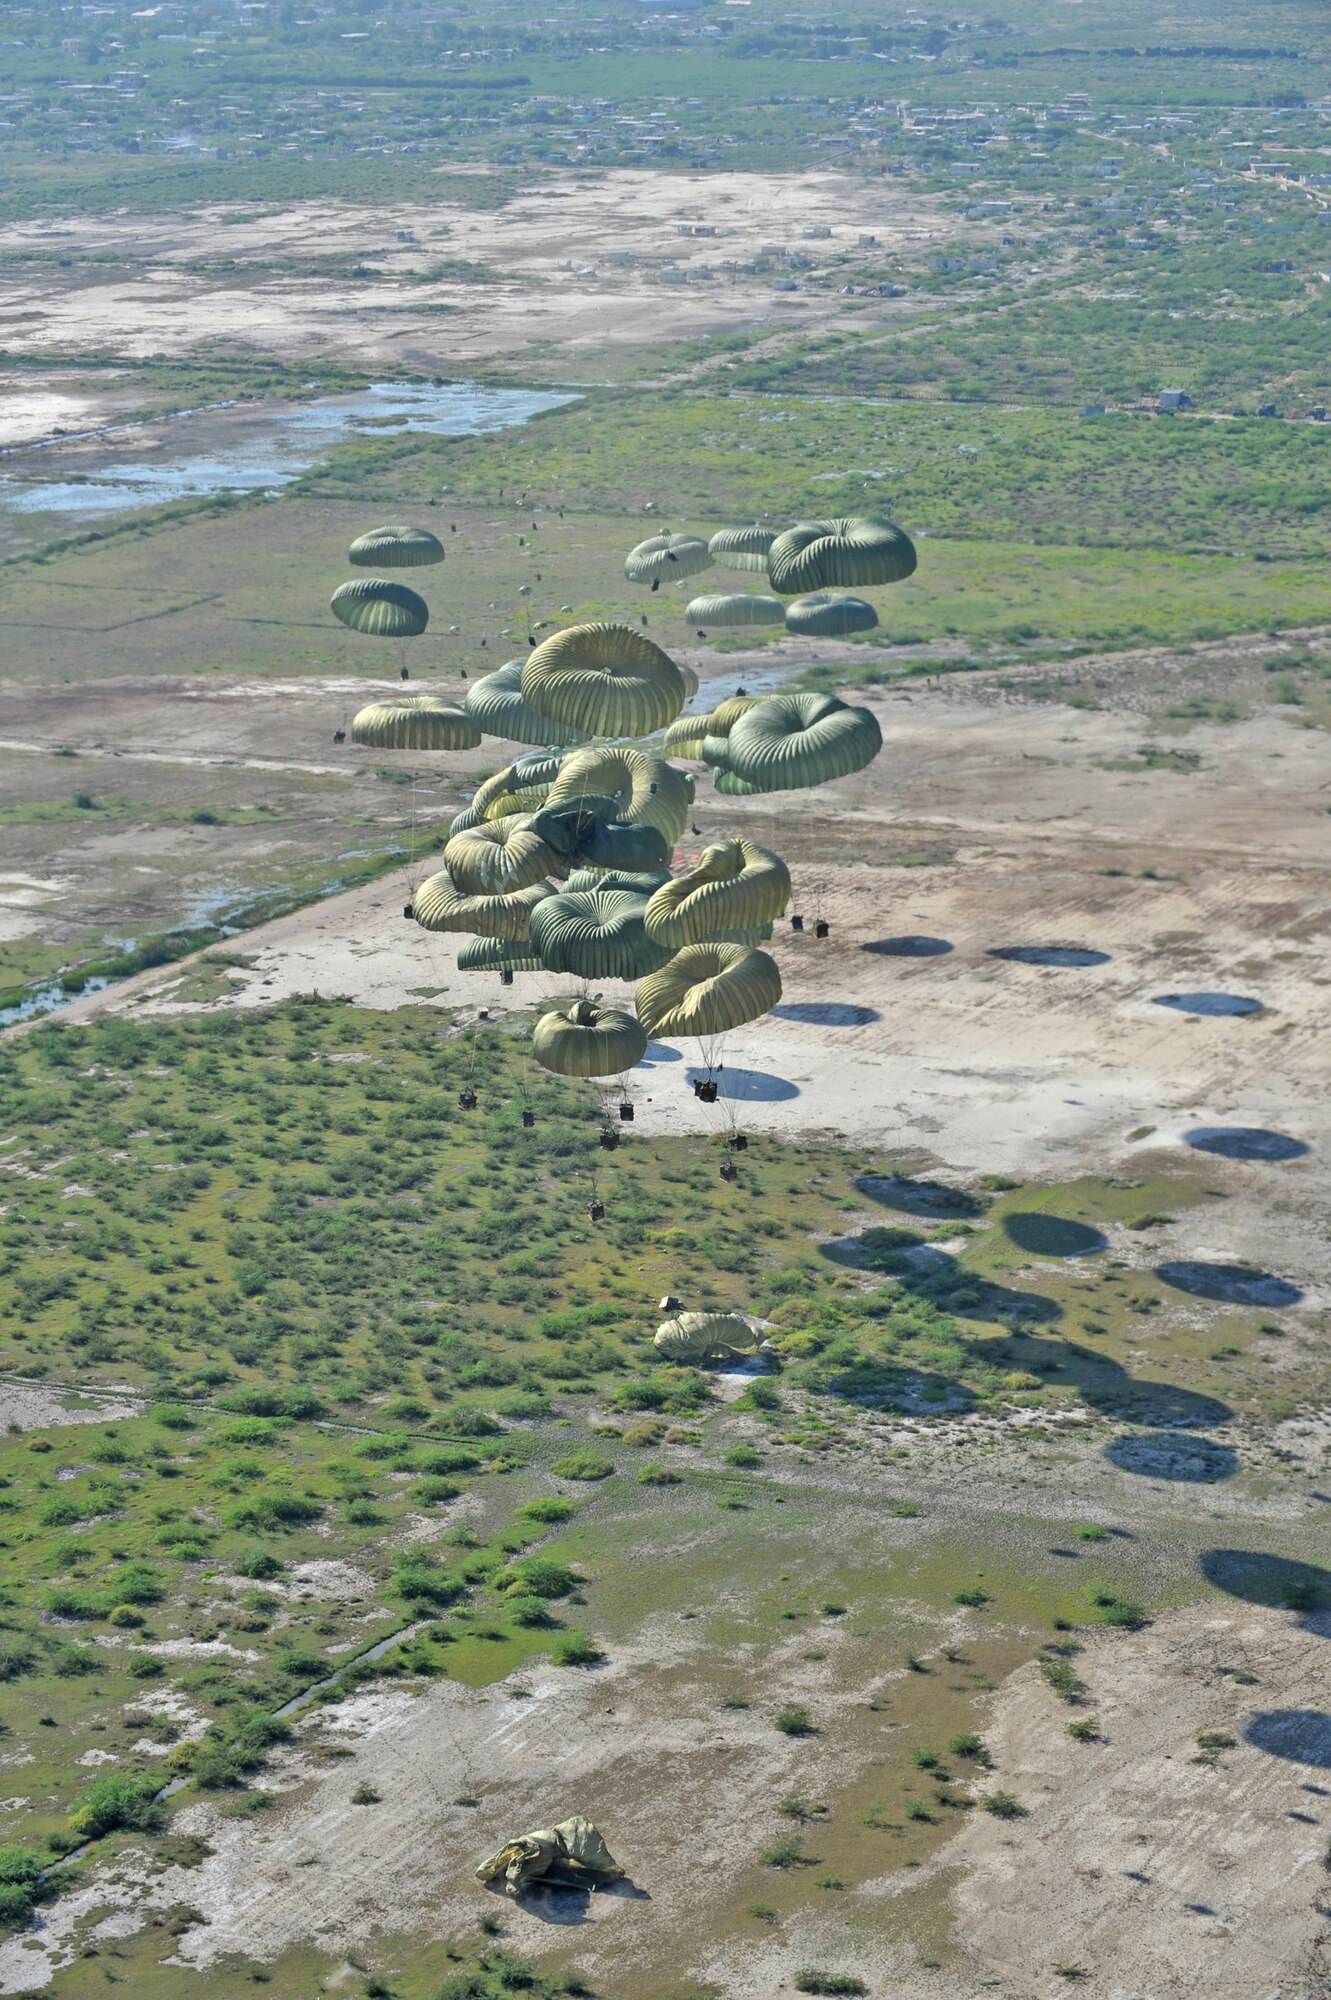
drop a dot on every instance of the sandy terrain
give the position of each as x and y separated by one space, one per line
576 261
1122 1865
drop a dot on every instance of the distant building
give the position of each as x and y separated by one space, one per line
1174 399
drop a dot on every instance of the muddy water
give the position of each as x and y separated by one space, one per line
242 448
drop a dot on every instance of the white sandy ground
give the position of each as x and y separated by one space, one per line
1122 1865
25 1408
552 249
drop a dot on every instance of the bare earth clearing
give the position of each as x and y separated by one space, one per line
574 264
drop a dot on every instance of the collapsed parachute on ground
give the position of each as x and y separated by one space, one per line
498 857
708 989
662 558
734 885
379 608
396 547
830 614
843 554
742 548
439 905
790 741
414 722
569 1855
606 679
724 609
495 705
596 934
578 1038
705 1337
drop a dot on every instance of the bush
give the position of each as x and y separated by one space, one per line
811 1981
297 1403
972 1597
794 1721
538 1576
546 1507
575 1649
530 1612
1003 1805
742 1455
1122 1611
119 1801
421 1580
258 1563
15 1661
586 1465
433 1492
784 1853
968 1744
657 1475
15 1902
271 1512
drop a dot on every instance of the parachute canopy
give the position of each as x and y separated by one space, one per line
734 885
705 1337
790 741
708 989
596 934
439 905
586 833
742 548
498 856
414 722
728 608
647 791
396 547
484 954
570 1855
495 705
843 554
606 679
380 608
666 556
578 1038
830 614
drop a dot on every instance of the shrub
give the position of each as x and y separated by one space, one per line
546 1507
1085 1730
257 1563
538 1576
118 1801
271 1512
657 1475
421 1580
297 1403
743 1455
794 1721
586 1465
916 1810
813 1981
1122 1611
1090 1531
973 1597
784 1853
15 1661
575 1649
531 1612
968 1744
1003 1805
431 1492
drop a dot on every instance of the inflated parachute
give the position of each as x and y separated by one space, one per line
843 554
690 736
570 1855
664 557
790 741
742 548
830 614
518 787
708 989
414 722
646 790
495 705
439 905
645 883
499 856
588 833
705 1337
606 679
396 547
729 608
596 934
485 954
380 608
579 1038
735 885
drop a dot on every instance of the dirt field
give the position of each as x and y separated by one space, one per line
573 268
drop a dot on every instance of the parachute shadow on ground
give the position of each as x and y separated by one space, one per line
1300 1735
747 1086
826 1013
1053 1235
925 1272
1062 955
1179 1456
1218 1005
932 1199
1282 1583
566 1904
1231 1284
659 1052
910 946
1244 1142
